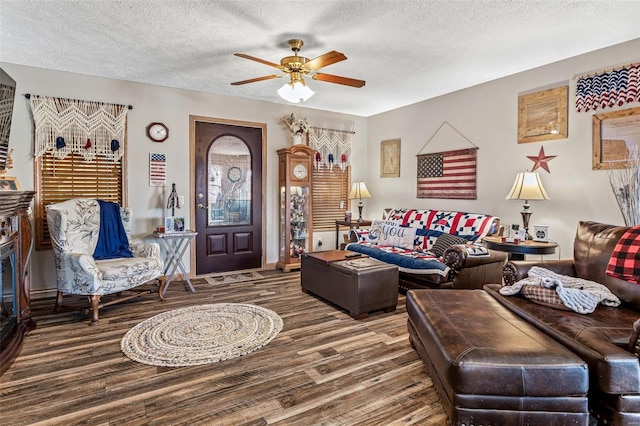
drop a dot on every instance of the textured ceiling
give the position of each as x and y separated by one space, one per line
407 51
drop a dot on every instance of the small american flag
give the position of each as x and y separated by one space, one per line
157 169
449 174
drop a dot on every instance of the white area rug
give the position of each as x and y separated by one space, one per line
201 334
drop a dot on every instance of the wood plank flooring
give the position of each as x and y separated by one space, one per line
324 368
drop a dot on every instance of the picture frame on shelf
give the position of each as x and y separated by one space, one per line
178 224
615 134
390 158
168 225
9 183
543 115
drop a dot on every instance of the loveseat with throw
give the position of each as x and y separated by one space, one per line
94 255
606 338
433 248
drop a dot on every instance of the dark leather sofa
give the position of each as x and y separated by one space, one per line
604 339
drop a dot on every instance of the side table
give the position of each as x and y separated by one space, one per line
351 225
175 243
518 251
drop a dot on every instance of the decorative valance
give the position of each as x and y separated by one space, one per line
333 146
608 88
66 126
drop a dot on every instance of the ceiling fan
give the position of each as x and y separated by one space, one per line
299 66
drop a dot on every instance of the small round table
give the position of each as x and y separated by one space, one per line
518 251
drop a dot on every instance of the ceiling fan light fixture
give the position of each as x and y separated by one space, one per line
295 92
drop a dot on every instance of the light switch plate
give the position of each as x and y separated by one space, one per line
181 200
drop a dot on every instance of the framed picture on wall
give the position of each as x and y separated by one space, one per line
9 183
542 115
615 135
390 158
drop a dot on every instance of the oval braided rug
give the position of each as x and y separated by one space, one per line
201 334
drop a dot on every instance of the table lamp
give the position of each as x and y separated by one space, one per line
359 191
527 186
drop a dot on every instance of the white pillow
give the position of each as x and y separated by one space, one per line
376 229
391 234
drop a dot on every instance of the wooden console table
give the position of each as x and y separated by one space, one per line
351 225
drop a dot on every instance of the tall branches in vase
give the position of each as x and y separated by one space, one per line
625 184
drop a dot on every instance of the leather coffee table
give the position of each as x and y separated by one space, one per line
350 280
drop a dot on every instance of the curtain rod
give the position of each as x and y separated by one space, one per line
605 70
333 130
129 107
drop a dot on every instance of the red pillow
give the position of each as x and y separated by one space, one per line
625 259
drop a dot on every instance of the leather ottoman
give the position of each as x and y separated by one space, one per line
491 367
358 284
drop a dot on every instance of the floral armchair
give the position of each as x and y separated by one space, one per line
74 227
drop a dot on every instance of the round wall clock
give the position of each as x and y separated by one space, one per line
234 174
300 171
157 132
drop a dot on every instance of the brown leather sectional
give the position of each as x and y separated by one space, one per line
491 367
604 339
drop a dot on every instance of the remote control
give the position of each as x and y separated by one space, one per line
352 255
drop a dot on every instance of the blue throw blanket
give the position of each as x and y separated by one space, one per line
112 239
404 259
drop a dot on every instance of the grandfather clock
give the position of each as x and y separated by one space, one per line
295 186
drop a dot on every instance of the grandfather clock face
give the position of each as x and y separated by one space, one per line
300 171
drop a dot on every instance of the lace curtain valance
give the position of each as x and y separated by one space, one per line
66 126
607 89
333 146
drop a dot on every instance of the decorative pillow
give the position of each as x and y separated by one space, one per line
444 241
377 228
543 296
624 263
397 236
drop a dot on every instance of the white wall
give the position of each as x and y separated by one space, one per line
487 114
172 107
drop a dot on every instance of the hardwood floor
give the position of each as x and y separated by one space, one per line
324 368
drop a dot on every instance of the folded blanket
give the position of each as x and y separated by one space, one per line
112 238
577 294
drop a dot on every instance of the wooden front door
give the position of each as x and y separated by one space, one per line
228 195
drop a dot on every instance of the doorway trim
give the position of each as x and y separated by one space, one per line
192 184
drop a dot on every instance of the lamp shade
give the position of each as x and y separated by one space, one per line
359 191
527 186
295 92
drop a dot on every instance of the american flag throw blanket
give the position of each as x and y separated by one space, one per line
625 260
430 224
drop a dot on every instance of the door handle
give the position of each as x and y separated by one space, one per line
202 206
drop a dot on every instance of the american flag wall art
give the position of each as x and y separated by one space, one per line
157 169
608 89
448 174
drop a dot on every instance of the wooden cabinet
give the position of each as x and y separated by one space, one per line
16 246
296 209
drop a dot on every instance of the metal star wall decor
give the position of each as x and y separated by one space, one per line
541 161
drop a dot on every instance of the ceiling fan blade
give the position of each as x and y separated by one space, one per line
329 78
253 80
262 61
324 60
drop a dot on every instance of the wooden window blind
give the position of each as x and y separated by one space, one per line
72 177
330 191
